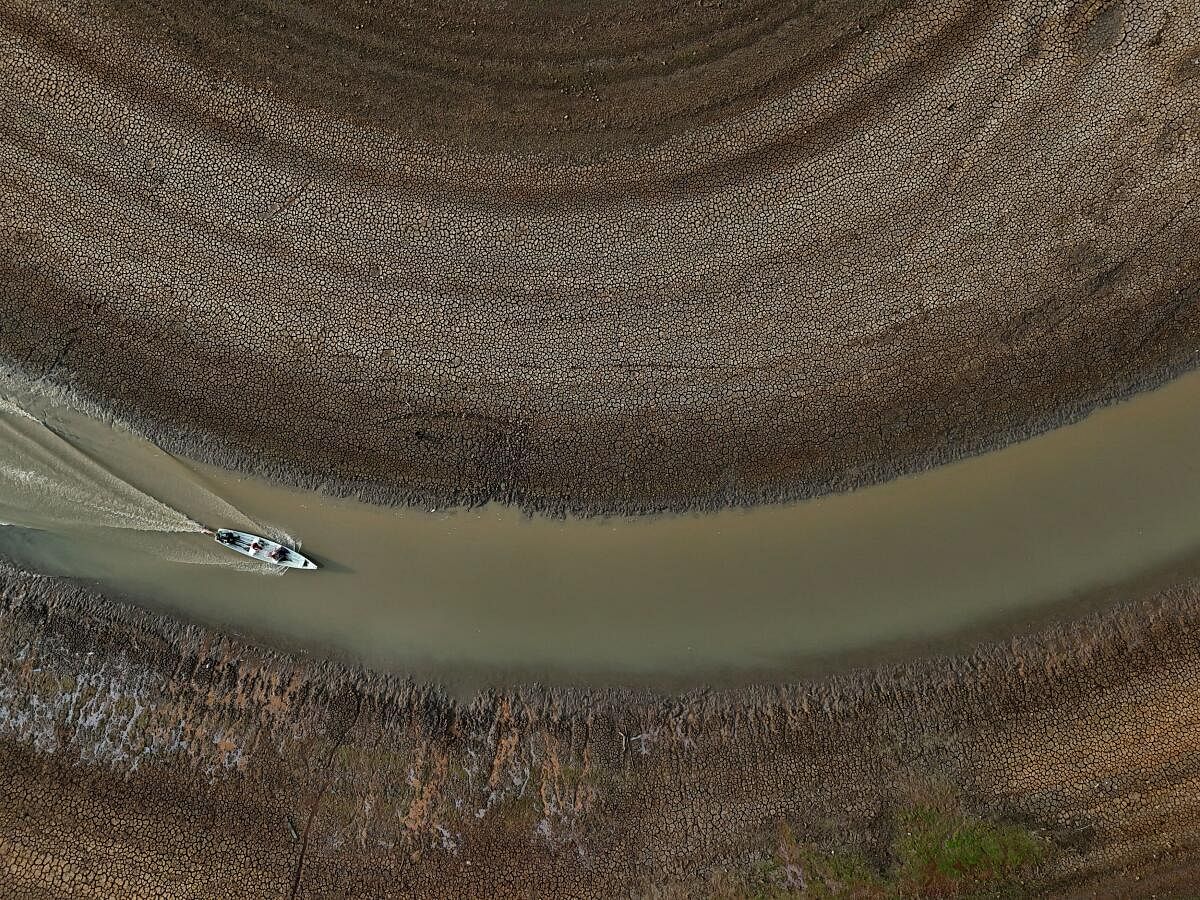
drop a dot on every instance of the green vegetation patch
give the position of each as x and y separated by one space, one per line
944 854
937 851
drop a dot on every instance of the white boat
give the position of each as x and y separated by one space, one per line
261 548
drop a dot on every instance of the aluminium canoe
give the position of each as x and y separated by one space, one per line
261 548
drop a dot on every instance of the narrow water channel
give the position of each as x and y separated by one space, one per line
999 541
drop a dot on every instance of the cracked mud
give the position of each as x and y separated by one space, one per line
598 258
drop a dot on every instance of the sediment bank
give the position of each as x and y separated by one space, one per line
167 757
751 262
1005 543
780 249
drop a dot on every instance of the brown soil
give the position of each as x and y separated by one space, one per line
141 757
599 257
604 257
533 76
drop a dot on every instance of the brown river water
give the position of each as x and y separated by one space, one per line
989 545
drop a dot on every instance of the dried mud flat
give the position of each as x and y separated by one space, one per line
548 254
143 758
559 258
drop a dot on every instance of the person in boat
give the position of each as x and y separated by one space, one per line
279 554
256 546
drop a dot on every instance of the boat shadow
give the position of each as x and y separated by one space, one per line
330 565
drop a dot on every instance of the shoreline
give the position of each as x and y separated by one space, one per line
435 258
184 712
975 604
209 450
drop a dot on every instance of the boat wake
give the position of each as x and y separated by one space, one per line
45 482
64 473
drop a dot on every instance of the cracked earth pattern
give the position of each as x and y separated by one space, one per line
598 257
451 252
144 758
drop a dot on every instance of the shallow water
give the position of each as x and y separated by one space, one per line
489 594
45 482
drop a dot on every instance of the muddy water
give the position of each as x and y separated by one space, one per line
46 482
1007 537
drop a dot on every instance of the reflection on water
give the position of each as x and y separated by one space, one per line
998 536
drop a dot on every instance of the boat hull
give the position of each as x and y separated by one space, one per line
243 542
